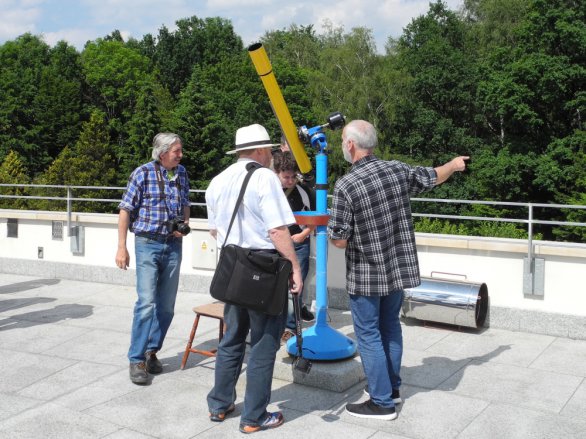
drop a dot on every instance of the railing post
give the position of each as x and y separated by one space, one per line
530 239
69 196
533 268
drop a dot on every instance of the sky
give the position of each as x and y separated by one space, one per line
77 21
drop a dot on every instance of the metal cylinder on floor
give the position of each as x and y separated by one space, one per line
456 302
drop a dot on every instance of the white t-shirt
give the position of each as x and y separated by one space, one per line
264 206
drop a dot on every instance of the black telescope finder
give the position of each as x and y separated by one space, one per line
336 121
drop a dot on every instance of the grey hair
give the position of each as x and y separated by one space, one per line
162 143
362 133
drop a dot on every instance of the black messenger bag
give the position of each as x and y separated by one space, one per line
252 278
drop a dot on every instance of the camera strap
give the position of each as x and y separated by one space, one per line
161 183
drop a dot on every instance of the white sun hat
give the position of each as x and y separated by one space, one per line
252 137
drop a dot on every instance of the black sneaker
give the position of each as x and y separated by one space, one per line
369 409
395 396
138 373
153 365
306 314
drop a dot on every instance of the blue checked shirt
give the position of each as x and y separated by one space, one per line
142 198
371 209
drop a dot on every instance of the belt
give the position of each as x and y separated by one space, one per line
156 236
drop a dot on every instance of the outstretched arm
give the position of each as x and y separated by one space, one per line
455 165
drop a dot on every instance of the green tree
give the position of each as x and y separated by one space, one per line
40 99
196 41
217 101
89 163
122 86
438 116
21 67
13 171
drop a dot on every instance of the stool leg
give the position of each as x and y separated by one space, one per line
190 342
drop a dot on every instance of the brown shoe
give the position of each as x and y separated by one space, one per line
286 336
220 416
153 365
138 373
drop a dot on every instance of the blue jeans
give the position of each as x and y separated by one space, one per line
380 342
157 279
302 252
265 332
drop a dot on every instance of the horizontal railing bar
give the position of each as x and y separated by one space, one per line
475 218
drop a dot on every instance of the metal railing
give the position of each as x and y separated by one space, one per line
69 198
530 220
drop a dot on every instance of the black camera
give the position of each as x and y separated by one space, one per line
178 224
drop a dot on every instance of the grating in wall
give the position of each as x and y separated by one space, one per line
57 230
12 228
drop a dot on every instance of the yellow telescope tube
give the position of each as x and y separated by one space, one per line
265 71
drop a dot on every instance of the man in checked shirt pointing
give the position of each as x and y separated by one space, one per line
371 219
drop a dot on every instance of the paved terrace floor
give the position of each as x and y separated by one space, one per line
64 374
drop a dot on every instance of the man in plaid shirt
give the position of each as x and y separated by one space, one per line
155 206
371 219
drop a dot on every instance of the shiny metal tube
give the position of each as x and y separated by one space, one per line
454 302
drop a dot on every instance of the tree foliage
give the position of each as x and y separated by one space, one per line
500 80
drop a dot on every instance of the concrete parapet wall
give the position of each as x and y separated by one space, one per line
559 311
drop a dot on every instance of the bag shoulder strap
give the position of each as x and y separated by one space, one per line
250 167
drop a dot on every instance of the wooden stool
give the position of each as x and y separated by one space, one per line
214 310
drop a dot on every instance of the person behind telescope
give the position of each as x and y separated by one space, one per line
371 218
308 179
299 200
261 223
157 192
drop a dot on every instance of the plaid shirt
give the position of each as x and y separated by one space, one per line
142 198
371 209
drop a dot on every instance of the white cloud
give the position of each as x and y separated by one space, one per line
75 37
238 4
77 21
18 18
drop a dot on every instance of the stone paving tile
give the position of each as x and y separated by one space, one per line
126 433
529 388
563 356
112 318
425 414
14 284
66 289
576 406
53 421
510 421
424 369
99 345
67 380
496 345
34 337
20 369
456 383
298 424
103 389
383 435
421 338
11 405
310 399
167 409
46 310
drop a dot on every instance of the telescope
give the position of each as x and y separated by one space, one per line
320 342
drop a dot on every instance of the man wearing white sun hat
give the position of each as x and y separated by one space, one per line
261 223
